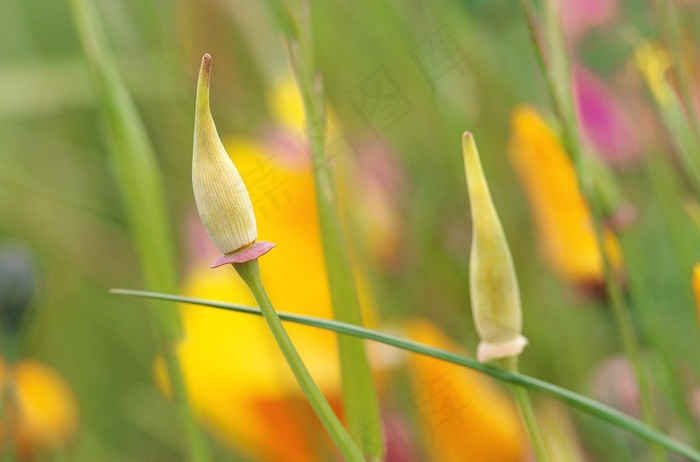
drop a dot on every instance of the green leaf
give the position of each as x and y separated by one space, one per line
135 165
573 400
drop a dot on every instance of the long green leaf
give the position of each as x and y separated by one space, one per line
573 400
134 163
141 185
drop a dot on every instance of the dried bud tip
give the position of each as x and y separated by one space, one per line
205 68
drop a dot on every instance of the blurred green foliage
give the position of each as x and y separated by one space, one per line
450 65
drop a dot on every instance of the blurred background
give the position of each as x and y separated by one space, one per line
404 80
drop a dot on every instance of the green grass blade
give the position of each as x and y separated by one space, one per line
134 163
360 401
141 185
573 400
682 133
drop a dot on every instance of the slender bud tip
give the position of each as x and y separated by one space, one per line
203 81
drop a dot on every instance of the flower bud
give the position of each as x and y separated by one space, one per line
494 289
222 199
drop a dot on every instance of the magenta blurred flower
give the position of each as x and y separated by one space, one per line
605 124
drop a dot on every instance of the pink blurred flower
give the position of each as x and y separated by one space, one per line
615 385
580 15
606 125
377 187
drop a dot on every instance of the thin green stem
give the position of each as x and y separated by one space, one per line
678 114
573 400
536 40
360 401
672 31
139 176
8 405
559 86
667 367
198 448
8 397
250 272
527 412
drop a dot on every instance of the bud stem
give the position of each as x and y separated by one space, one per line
250 273
527 412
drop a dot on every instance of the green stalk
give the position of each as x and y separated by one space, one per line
527 413
672 31
557 74
668 368
360 400
8 402
573 400
140 181
681 128
250 273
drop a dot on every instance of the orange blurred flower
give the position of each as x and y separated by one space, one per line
41 411
463 415
696 287
561 214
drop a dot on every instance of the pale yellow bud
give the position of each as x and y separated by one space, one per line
494 287
222 199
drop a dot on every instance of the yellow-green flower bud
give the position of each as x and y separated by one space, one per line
222 199
494 287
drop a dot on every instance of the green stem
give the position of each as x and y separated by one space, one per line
140 180
360 401
668 367
563 102
527 412
630 342
8 397
250 272
536 40
573 400
672 31
8 405
198 449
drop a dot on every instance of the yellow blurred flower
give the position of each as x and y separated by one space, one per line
560 212
463 415
286 104
40 407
